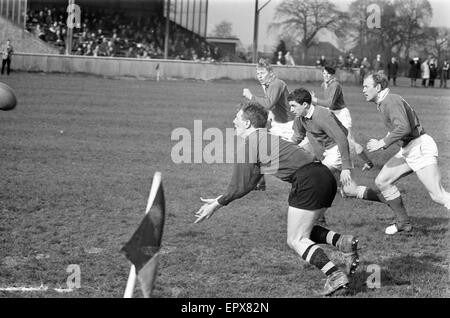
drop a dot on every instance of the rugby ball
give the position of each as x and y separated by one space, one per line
8 100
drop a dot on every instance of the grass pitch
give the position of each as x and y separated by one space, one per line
77 158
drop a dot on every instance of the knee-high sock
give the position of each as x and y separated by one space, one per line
321 235
313 254
395 202
391 197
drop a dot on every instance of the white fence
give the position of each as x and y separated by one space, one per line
167 69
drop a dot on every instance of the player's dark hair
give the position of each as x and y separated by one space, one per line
264 63
300 95
330 70
378 78
256 113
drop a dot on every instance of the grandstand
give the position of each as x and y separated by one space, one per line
118 28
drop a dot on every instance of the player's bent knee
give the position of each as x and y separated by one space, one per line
299 244
381 182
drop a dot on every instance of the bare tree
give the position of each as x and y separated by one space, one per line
223 29
304 18
437 41
403 25
413 18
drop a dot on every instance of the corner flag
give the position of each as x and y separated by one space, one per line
143 247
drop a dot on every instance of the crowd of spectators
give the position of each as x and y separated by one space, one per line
106 33
427 70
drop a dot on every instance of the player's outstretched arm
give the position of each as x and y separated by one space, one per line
208 209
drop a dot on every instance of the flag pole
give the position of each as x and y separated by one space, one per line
130 283
151 197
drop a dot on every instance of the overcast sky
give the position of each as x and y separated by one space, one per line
240 13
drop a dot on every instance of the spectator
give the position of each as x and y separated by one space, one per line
111 49
7 53
48 17
39 32
414 70
215 55
281 47
103 48
340 62
280 58
392 70
378 65
349 61
364 69
289 59
433 72
131 52
322 61
79 51
425 69
444 74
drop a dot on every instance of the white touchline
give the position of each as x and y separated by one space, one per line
24 289
33 289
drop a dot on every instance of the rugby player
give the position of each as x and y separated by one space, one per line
334 100
312 192
275 101
418 152
329 132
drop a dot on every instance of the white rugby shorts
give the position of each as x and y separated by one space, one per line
419 153
344 117
283 130
332 158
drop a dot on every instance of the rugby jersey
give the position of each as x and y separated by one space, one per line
326 129
400 119
264 154
334 98
275 100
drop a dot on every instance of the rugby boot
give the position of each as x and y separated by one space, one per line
337 283
396 228
348 246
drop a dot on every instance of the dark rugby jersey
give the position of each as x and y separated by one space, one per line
326 129
334 98
400 119
275 100
264 154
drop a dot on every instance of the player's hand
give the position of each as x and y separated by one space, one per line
247 94
346 177
375 144
208 209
